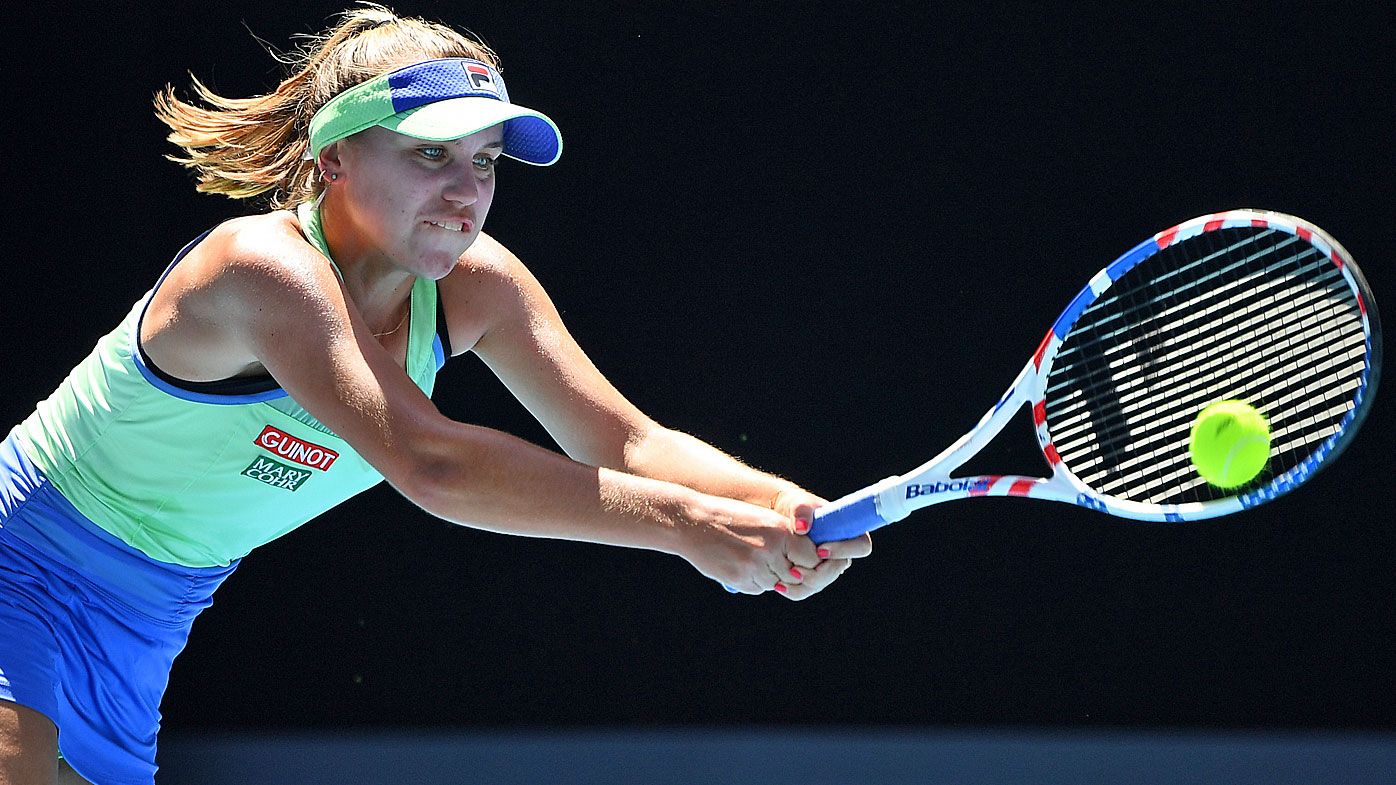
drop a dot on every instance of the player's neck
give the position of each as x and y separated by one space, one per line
375 282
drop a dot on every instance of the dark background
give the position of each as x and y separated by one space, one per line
824 237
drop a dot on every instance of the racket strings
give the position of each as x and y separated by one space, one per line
1331 376
1228 264
1173 351
1292 434
1280 310
1249 286
1306 335
1175 475
1248 313
1167 475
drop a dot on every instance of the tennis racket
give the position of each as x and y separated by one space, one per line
1259 306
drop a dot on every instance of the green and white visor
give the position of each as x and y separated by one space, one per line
438 100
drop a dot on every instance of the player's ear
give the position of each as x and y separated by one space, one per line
327 162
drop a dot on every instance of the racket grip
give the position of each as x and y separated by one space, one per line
849 517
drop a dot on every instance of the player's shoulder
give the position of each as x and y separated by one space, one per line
267 248
487 257
487 265
489 286
267 237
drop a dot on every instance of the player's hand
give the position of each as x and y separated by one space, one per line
834 557
747 548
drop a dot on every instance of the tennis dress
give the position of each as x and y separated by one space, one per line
126 498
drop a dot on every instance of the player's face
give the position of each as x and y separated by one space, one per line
420 203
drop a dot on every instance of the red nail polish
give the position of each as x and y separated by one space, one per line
794 573
822 553
801 525
780 587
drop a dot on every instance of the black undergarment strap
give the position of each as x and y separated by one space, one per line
442 330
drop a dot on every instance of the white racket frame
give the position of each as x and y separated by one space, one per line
933 482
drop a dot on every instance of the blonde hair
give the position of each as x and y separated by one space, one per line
246 147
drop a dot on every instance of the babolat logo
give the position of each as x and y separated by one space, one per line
930 488
276 474
289 447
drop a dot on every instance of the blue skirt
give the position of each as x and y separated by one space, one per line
89 626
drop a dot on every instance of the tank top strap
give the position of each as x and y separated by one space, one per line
309 215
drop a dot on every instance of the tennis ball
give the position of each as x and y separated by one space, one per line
1230 443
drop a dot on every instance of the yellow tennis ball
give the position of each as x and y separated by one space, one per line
1230 443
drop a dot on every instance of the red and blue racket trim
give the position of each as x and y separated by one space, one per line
856 514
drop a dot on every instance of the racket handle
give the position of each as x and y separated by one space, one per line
846 518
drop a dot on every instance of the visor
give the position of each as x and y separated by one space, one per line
438 100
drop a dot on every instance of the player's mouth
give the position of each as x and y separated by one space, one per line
452 226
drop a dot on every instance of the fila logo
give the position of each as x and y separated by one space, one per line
481 78
289 447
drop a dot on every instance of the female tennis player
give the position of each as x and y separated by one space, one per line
283 364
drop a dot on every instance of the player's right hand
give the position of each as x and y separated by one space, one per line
747 548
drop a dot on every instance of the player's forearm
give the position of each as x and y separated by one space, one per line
675 457
491 480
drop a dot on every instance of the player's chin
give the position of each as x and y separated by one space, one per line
436 263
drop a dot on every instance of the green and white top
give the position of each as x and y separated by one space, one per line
192 476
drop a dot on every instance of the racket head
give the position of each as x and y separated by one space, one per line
1258 306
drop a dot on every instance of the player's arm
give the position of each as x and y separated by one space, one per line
527 346
277 303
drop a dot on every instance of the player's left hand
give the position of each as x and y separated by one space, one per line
834 557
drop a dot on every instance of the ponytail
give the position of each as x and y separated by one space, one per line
246 147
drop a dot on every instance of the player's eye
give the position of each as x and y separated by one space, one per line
485 163
432 153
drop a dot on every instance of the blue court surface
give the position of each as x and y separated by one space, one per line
768 756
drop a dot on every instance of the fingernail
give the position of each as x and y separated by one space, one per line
822 553
780 587
801 525
794 573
